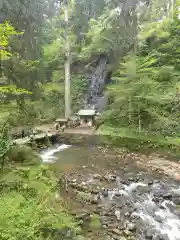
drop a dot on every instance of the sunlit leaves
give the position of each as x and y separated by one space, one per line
10 89
6 31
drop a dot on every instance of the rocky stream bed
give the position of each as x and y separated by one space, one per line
118 195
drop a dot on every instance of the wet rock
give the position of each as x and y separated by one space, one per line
100 207
113 225
94 200
84 167
97 176
127 233
73 185
83 183
104 219
82 216
114 237
110 178
167 196
131 179
117 194
150 183
158 218
94 191
123 238
105 193
156 181
156 199
135 215
73 181
164 237
96 211
84 188
104 226
126 214
149 234
176 192
79 237
161 237
118 215
105 213
131 226
116 231
176 201
124 182
162 194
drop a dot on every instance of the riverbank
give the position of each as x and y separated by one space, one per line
106 137
117 194
30 205
102 188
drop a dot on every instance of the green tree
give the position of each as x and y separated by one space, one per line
146 85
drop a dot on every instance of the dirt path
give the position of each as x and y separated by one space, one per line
162 165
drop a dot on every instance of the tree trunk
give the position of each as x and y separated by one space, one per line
139 122
67 67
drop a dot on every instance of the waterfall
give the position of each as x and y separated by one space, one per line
96 98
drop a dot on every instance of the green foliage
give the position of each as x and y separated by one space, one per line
6 31
23 154
145 87
28 206
95 222
107 33
5 144
83 196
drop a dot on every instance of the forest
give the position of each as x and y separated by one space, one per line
141 52
140 42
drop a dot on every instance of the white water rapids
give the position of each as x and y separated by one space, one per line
48 155
156 213
163 222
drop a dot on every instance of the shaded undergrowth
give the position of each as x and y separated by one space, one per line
30 206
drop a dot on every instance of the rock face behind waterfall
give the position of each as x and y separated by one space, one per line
96 98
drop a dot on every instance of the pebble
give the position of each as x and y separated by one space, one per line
127 233
149 234
150 183
118 214
116 231
97 176
73 185
94 200
127 214
117 194
131 226
73 180
105 193
104 226
94 191
167 196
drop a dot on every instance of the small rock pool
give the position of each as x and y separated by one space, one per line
128 200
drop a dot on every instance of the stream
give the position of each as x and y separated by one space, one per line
130 202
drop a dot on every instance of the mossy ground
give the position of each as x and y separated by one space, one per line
30 207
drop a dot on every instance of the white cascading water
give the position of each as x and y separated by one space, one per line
158 217
48 155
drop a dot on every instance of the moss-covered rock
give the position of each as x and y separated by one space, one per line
23 154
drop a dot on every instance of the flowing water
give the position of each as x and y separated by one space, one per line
147 204
97 83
